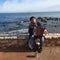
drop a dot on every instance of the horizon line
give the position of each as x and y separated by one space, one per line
30 12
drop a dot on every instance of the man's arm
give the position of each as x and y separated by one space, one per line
30 30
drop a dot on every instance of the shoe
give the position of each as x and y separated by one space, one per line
40 50
36 54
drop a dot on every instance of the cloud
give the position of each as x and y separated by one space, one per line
30 5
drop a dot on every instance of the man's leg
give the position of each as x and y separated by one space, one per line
30 42
41 44
42 41
34 43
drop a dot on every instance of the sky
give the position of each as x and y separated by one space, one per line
7 6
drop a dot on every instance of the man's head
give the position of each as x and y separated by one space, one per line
33 20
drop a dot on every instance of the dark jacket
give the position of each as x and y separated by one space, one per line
31 28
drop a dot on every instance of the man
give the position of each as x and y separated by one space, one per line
35 32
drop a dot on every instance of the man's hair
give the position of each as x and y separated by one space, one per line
32 18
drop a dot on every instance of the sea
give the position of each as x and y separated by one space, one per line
17 21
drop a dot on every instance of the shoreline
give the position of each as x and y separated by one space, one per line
17 35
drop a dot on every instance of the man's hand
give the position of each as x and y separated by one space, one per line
45 32
32 35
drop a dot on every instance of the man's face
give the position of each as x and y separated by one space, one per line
33 20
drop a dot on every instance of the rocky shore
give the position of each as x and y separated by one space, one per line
50 40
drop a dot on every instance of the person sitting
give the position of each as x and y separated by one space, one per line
36 30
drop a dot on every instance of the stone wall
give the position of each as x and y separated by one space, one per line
50 40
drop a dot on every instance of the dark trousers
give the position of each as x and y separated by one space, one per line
34 43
